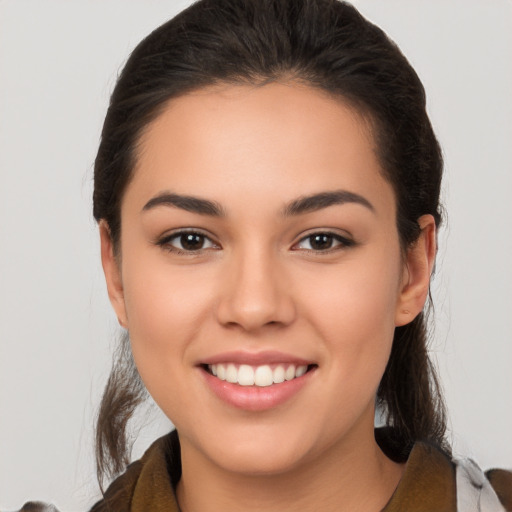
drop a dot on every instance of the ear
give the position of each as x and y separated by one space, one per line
419 262
112 273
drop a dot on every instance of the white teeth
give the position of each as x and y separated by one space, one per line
221 372
245 375
262 376
231 373
300 371
278 374
289 374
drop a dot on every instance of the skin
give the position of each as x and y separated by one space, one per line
258 285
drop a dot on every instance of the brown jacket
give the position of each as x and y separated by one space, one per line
428 483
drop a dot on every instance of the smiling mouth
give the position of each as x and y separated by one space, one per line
260 376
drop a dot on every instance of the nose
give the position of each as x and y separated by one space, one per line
255 292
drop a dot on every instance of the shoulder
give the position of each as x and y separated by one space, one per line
118 495
428 482
433 480
501 481
147 483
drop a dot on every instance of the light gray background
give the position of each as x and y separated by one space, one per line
58 64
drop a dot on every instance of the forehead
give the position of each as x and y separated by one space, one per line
281 140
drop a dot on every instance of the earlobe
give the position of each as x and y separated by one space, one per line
420 258
112 274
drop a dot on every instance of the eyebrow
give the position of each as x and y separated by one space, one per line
298 206
322 200
188 203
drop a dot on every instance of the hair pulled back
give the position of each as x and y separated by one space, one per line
326 44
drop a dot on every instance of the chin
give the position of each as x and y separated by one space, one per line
261 449
255 461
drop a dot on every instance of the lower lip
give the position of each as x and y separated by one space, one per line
256 398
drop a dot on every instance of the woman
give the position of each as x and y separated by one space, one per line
267 190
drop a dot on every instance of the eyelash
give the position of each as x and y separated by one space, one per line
343 242
165 242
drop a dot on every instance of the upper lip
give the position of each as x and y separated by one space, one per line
255 358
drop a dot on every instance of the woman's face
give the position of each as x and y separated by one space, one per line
259 241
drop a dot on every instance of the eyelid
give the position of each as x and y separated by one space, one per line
165 239
345 240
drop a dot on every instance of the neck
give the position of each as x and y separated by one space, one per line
339 479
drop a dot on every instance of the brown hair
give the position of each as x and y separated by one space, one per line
326 44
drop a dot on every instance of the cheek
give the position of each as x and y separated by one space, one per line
355 320
359 294
166 307
353 311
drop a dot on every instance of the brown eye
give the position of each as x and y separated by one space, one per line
187 241
191 241
323 241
